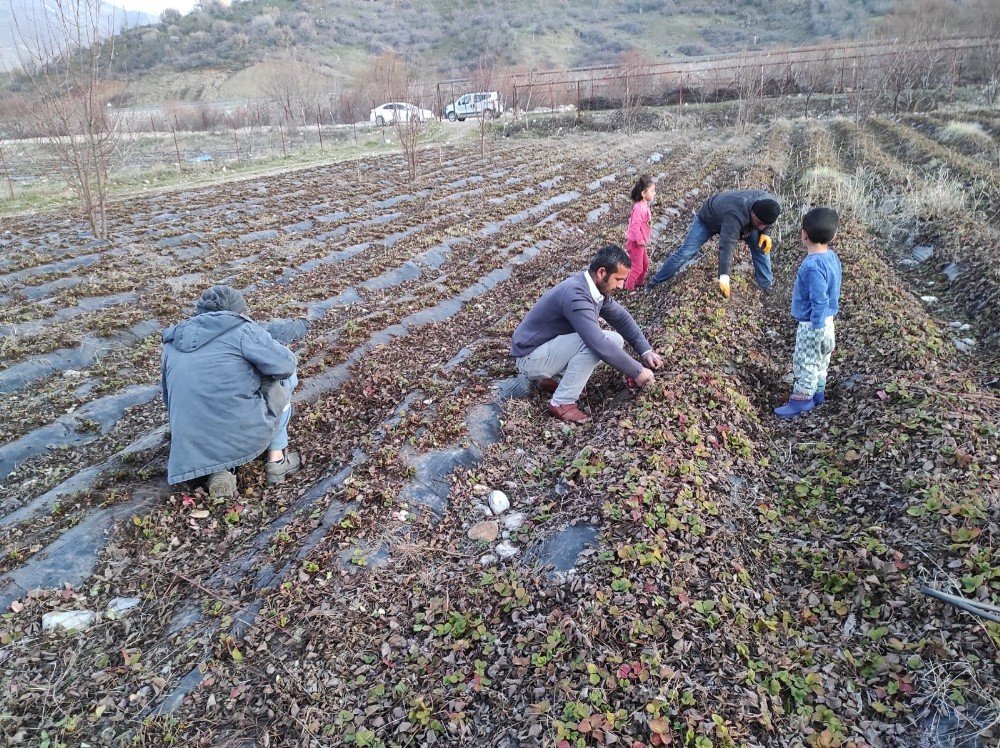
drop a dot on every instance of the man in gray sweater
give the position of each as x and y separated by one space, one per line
734 216
561 336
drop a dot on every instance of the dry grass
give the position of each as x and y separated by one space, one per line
965 133
855 194
933 198
861 196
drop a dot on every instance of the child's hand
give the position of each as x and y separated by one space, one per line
764 242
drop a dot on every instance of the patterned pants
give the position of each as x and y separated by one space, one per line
811 358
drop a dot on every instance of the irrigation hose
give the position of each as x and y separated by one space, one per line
982 610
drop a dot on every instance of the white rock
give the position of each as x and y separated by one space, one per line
513 521
72 373
488 560
655 158
506 550
480 490
121 605
963 328
929 299
499 502
849 625
68 619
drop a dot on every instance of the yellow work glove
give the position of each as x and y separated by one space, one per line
724 285
765 243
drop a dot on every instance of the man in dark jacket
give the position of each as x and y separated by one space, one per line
561 336
227 386
741 214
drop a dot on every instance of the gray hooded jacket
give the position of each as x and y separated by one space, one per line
728 215
219 370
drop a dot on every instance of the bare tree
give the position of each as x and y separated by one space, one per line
294 87
748 82
635 84
409 130
911 68
811 78
917 68
483 81
408 117
68 65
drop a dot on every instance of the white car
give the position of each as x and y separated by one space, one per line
398 112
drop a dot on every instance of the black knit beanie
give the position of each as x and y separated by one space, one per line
767 211
221 299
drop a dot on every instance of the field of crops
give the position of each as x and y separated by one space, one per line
684 570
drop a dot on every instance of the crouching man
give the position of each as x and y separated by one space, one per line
560 342
227 385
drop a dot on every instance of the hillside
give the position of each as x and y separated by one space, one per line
445 39
18 20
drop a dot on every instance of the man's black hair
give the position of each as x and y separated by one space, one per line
820 225
610 257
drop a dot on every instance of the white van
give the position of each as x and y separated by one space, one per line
480 104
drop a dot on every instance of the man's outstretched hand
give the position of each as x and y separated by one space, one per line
652 360
645 377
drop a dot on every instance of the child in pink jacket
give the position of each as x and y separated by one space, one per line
639 230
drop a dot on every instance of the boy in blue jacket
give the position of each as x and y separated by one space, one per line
815 302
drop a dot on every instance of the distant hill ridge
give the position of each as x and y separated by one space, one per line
21 19
189 56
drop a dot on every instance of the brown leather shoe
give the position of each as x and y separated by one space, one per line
547 384
568 413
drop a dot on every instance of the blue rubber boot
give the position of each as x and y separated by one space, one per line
794 407
819 398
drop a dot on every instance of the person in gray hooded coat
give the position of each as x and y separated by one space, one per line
227 385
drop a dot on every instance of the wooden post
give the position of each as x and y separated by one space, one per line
319 125
762 89
177 147
680 96
954 66
579 110
236 140
281 134
854 93
516 103
6 173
